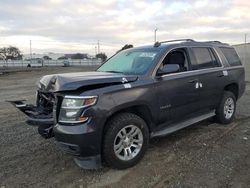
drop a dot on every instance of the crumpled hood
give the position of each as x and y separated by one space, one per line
73 81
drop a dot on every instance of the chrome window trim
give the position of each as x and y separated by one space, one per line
193 71
222 65
234 67
204 70
187 47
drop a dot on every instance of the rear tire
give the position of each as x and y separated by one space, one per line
226 110
125 140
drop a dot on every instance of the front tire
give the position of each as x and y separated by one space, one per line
125 140
226 110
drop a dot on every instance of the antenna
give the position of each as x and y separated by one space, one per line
155 34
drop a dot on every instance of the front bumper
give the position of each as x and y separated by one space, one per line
82 141
36 116
78 140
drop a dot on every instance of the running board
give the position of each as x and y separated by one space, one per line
175 127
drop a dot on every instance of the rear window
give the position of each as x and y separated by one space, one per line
231 56
204 57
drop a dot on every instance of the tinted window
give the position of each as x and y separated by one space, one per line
177 56
231 56
205 58
214 58
131 61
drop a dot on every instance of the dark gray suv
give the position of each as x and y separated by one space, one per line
109 115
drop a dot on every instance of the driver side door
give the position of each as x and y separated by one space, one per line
177 93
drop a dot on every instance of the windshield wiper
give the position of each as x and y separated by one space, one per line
114 72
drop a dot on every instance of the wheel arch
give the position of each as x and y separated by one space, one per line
141 110
234 88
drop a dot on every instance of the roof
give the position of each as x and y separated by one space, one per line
184 42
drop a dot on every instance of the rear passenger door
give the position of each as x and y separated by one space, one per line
210 76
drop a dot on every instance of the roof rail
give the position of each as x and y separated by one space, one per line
216 41
157 44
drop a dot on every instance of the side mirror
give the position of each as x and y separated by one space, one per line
168 68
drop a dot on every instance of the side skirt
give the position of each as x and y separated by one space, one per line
180 125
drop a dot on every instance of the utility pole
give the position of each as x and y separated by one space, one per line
30 52
155 34
98 46
95 50
245 46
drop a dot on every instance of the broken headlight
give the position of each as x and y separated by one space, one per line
73 107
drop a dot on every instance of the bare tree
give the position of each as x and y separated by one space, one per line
10 52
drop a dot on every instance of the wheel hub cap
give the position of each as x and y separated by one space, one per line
229 108
128 142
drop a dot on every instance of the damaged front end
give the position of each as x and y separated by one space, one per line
49 95
41 114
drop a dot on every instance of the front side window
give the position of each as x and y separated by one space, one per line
131 61
204 58
177 56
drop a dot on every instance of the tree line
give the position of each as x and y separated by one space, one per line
13 53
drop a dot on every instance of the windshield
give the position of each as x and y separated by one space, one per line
130 61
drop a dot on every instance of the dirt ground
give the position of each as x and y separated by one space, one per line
204 155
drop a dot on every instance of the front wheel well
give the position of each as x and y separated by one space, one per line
142 111
233 88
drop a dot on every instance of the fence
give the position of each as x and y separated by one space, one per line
40 63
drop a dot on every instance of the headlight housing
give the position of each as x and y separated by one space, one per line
73 107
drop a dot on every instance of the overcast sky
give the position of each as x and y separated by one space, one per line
76 26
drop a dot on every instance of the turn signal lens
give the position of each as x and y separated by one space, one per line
90 101
83 118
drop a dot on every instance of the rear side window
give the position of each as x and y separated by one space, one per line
231 56
205 58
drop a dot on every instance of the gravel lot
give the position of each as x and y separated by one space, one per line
204 155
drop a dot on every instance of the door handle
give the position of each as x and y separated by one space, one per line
193 81
221 75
